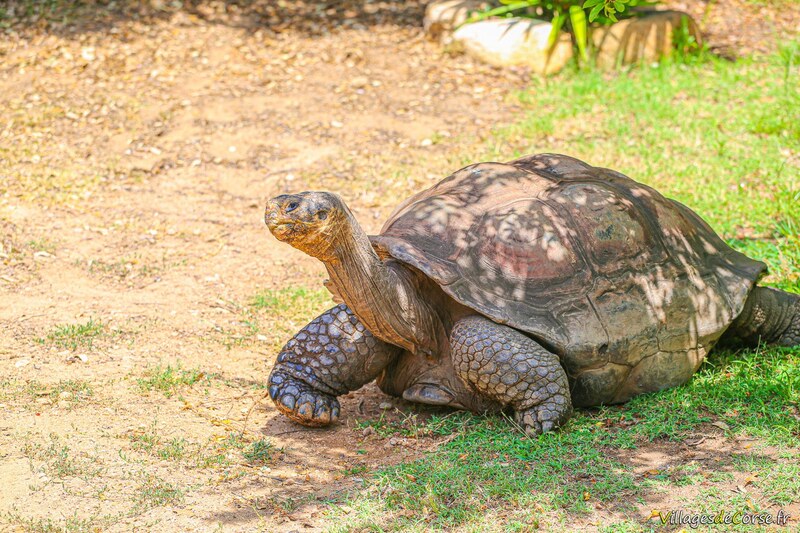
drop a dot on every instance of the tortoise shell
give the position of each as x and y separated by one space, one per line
602 270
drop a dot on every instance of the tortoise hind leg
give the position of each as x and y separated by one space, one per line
769 315
506 366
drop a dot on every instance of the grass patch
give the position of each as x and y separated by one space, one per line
42 245
259 451
779 480
149 442
56 460
74 336
290 301
153 491
273 315
70 524
491 465
749 393
31 393
168 379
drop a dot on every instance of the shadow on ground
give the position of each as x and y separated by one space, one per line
65 17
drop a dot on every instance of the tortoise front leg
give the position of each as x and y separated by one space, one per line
510 368
334 354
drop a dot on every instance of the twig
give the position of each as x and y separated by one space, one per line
247 416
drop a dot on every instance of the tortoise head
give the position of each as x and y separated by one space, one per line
309 221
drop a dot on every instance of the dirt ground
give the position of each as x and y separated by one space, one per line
138 145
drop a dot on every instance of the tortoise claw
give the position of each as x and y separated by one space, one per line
301 402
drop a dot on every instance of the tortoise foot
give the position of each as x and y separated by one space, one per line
301 402
514 370
544 417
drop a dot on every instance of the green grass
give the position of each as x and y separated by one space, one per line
153 491
56 460
722 138
291 300
74 336
149 441
274 315
69 524
259 451
72 391
168 379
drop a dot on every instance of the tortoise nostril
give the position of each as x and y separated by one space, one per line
291 207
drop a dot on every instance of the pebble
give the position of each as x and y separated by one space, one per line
359 81
385 405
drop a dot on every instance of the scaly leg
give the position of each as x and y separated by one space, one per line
334 354
510 368
769 315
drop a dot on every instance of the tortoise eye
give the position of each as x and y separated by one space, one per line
322 215
291 207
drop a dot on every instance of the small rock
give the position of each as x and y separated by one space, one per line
359 82
88 54
394 441
21 363
64 395
515 41
369 430
385 405
63 404
336 124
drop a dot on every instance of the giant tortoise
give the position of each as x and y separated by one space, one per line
533 285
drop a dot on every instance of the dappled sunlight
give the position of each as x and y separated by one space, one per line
594 265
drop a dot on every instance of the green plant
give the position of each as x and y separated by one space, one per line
74 336
258 452
569 15
168 379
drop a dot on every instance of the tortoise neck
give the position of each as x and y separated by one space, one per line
383 295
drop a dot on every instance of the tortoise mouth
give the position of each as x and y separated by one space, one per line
279 225
284 230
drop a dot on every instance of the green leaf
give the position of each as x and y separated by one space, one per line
502 10
595 12
557 23
590 3
577 17
619 6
